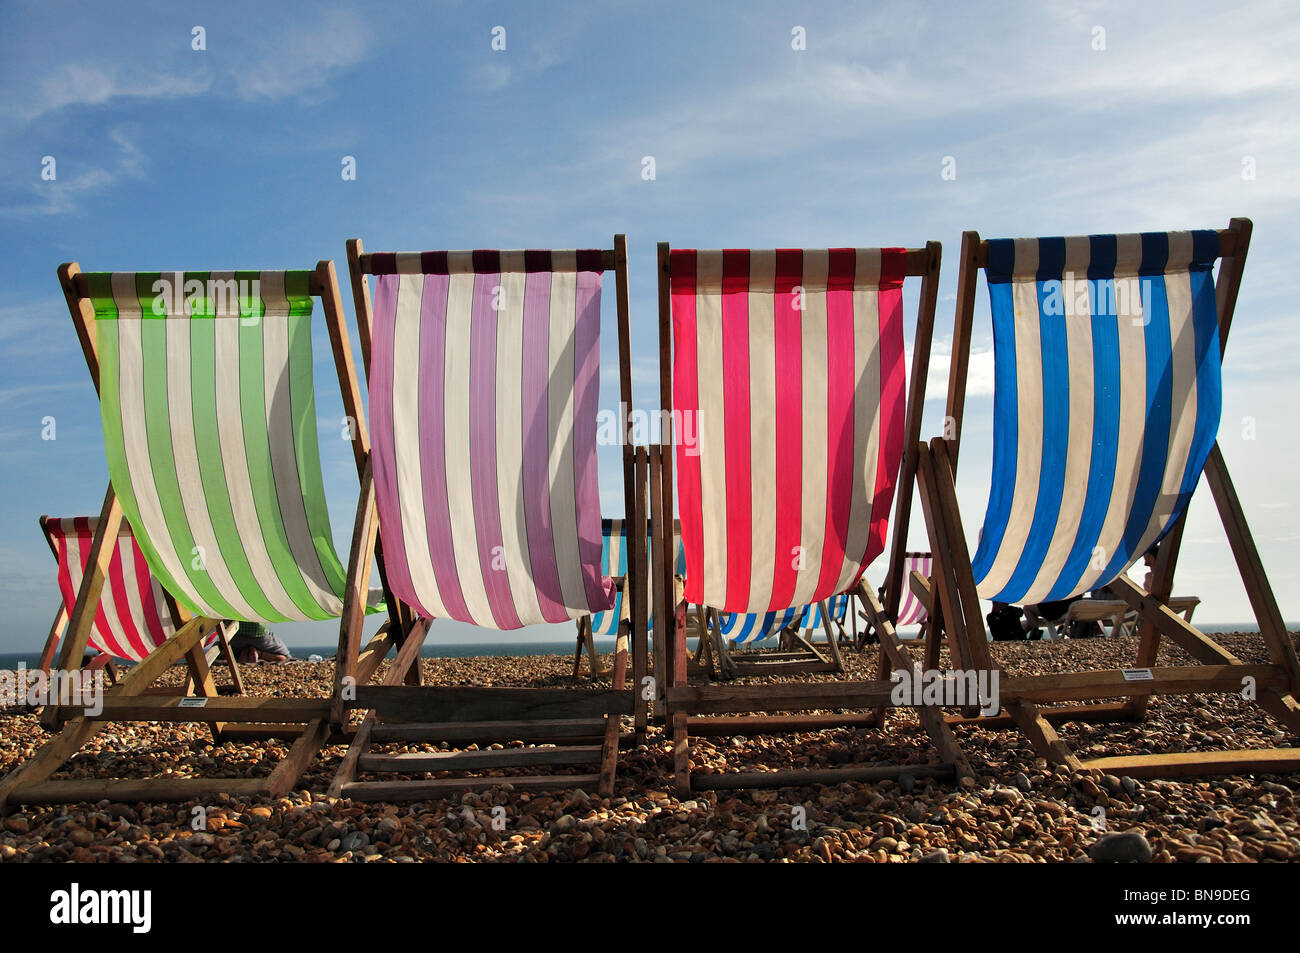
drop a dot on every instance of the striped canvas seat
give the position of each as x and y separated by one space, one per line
1106 404
209 422
744 627
132 617
789 366
910 610
613 563
483 393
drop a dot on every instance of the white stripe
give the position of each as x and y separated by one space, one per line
135 438
561 423
813 377
131 583
406 442
712 425
284 465
1182 330
763 462
460 486
866 410
1132 425
185 457
1078 457
1029 406
234 460
509 440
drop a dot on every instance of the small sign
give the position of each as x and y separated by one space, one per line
1138 675
193 702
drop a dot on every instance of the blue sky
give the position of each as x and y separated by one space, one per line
230 157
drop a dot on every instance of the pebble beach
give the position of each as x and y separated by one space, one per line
1018 809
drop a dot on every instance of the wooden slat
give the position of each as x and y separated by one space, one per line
1193 764
428 790
779 779
1110 683
774 724
1042 736
130 790
347 769
223 708
1114 711
569 730
301 754
724 699
480 760
443 704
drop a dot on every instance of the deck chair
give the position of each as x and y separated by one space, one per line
208 407
613 563
483 370
795 628
133 617
1106 404
785 374
1184 606
911 611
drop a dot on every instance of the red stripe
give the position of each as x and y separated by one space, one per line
157 632
686 401
736 401
839 415
788 322
125 620
893 263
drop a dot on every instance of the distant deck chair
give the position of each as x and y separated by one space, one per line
911 610
1107 399
613 563
483 370
209 415
1184 606
795 628
133 616
787 383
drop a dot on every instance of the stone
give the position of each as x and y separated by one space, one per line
1121 847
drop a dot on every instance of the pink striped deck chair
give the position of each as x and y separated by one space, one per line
132 618
788 391
483 369
911 611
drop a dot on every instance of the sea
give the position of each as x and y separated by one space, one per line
11 660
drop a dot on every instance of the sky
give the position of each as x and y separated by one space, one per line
893 124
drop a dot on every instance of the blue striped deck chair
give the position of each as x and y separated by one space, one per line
1106 406
796 627
613 563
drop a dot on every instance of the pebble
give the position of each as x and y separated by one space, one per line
1121 847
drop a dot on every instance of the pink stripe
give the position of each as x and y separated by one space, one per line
736 423
536 474
383 457
136 640
433 447
102 637
892 382
789 426
840 369
586 383
483 450
155 630
686 402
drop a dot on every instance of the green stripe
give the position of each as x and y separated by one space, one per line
297 285
252 407
212 469
162 459
307 451
115 449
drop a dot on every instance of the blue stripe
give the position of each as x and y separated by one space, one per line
1159 396
1005 411
1105 436
1056 440
1209 385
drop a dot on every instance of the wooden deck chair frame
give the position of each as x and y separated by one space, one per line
220 646
305 719
585 724
735 709
1219 670
796 653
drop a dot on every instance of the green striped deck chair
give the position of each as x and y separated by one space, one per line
209 419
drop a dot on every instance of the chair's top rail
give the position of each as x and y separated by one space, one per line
916 260
84 281
79 524
1227 246
486 261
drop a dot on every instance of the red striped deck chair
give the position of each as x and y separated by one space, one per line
788 391
1107 397
208 407
483 369
133 617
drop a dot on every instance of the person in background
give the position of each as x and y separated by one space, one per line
254 642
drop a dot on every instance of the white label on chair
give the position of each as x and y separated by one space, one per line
1137 675
193 702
